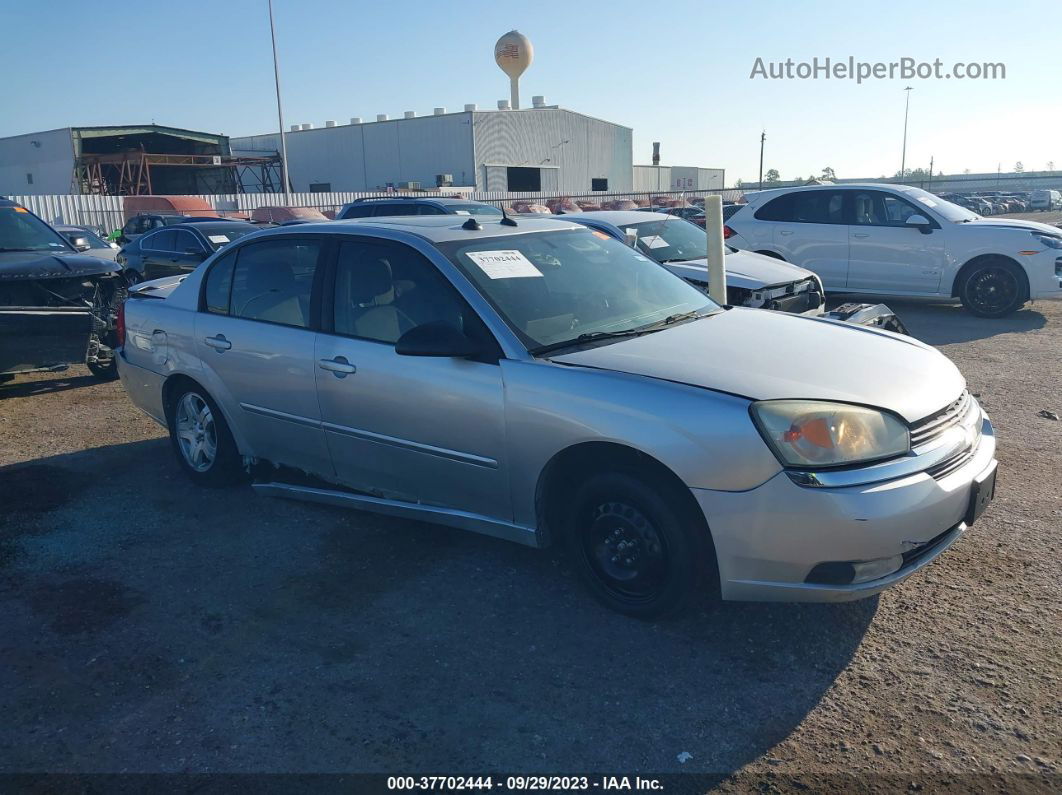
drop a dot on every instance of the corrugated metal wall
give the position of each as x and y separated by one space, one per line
580 147
106 211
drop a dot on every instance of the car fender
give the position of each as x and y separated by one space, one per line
706 438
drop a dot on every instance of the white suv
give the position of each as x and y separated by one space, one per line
879 239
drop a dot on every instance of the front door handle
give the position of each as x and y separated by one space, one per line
338 366
861 234
785 231
218 343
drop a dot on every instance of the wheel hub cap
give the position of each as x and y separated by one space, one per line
195 431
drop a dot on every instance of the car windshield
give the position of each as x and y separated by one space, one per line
556 288
21 230
474 209
945 209
671 240
90 238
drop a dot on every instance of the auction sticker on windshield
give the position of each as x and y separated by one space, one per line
508 264
653 241
219 239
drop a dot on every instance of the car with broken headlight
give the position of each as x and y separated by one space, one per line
58 306
752 280
539 382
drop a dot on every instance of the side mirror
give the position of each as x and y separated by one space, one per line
436 339
80 243
920 222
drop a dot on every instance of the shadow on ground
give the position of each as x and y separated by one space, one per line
948 323
59 383
147 625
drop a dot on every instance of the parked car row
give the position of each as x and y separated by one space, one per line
999 202
542 381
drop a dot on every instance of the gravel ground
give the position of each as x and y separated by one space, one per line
149 626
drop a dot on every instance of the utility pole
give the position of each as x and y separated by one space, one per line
906 108
280 110
931 173
763 137
999 170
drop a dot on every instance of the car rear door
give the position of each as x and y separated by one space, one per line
886 255
255 335
157 252
809 230
418 429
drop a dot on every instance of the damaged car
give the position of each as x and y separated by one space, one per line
57 306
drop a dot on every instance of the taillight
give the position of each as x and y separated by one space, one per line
728 232
119 325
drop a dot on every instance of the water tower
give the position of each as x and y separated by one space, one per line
513 53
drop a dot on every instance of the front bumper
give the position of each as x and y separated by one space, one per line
768 539
1046 281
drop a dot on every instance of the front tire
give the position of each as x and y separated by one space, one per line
635 544
993 288
202 441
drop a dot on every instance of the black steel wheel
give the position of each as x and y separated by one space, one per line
635 544
994 288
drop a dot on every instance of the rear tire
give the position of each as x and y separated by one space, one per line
994 287
202 441
635 545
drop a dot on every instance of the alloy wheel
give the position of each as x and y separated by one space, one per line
196 433
992 289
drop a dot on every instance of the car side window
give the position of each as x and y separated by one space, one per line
429 209
219 285
805 207
185 241
384 289
272 281
386 208
874 208
163 240
358 211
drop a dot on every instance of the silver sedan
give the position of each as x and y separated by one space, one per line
541 383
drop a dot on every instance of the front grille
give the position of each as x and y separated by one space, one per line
935 424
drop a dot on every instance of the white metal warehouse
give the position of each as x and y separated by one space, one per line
544 148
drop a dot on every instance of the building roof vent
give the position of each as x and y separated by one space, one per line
440 111
381 117
307 126
355 119
471 106
539 101
411 114
296 127
330 123
503 104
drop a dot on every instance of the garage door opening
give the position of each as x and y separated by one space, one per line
522 178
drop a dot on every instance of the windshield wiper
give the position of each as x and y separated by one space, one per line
676 259
591 336
22 249
594 336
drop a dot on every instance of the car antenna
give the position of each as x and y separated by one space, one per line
506 220
472 224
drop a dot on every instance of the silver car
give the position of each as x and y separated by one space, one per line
541 383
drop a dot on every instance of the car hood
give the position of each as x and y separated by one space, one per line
744 269
1011 223
772 355
23 265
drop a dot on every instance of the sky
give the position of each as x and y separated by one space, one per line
677 72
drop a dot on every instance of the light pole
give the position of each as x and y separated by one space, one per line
906 107
763 137
280 110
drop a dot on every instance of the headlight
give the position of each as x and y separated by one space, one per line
1048 240
820 434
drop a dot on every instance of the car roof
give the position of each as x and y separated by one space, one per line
620 217
435 228
214 226
443 200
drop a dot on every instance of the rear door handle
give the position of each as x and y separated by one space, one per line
785 231
339 366
218 343
860 234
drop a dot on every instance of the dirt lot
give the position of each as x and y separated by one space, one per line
146 625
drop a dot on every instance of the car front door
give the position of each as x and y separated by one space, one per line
886 254
157 252
255 335
413 428
188 251
810 231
